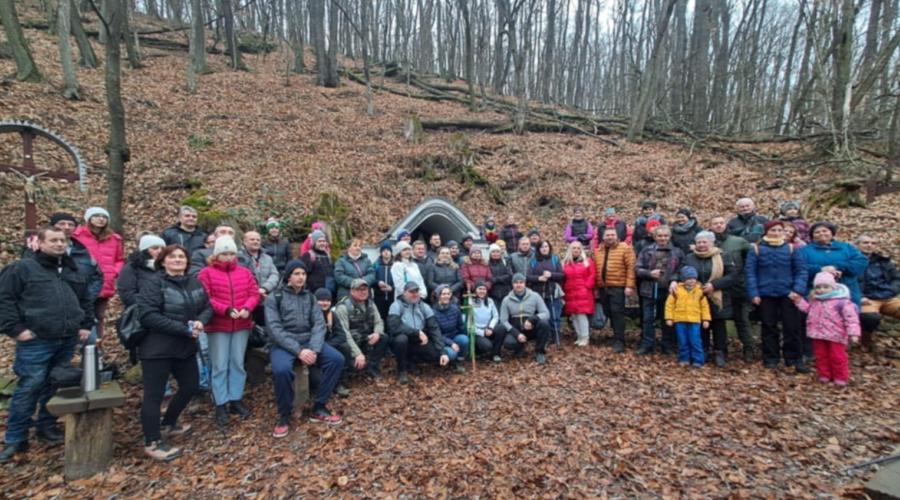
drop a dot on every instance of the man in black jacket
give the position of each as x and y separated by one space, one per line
87 266
186 233
277 247
46 308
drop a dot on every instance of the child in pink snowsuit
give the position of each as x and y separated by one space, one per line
832 319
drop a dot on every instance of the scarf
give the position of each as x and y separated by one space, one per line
775 242
718 270
839 292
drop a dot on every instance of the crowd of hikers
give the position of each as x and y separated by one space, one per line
201 299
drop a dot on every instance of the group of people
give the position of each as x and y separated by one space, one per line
203 298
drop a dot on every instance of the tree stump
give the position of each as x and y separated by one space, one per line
89 440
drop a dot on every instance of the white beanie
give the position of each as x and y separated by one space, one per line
401 246
95 211
224 244
150 241
493 247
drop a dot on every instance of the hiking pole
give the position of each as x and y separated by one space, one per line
469 308
889 458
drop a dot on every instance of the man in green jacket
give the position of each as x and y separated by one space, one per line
737 248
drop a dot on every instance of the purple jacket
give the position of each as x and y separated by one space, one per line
585 235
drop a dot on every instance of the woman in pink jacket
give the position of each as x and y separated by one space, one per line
105 247
233 294
579 290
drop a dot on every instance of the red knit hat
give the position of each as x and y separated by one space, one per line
652 224
771 224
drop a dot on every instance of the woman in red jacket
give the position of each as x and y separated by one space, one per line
233 294
105 247
579 290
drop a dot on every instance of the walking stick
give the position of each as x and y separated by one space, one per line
469 309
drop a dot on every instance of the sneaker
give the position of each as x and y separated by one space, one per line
238 408
177 430
581 342
770 364
698 365
541 358
221 415
618 346
841 383
282 427
403 378
159 450
497 359
342 391
824 380
684 363
12 450
323 416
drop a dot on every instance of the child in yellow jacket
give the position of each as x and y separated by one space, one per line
687 309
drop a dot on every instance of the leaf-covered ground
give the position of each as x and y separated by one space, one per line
588 424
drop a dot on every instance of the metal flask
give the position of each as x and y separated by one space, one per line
89 365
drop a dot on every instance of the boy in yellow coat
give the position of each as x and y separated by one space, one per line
687 309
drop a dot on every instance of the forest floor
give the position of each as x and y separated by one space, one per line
588 424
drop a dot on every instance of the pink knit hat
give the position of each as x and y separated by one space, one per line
825 279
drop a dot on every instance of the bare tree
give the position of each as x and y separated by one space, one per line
26 70
64 16
651 73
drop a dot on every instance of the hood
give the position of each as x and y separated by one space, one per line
840 292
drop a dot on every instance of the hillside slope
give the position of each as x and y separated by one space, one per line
260 142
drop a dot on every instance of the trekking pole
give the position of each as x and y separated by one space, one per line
469 308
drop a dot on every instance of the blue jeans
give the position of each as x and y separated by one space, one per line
34 360
330 361
652 310
462 341
226 361
690 347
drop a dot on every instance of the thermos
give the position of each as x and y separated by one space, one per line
90 368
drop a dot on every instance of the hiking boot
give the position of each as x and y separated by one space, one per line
324 416
403 378
800 367
238 408
221 415
748 354
459 368
174 431
496 359
51 435
11 450
770 364
541 358
342 391
159 450
618 346
282 427
643 351
720 359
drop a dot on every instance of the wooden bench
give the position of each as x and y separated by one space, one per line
89 438
255 364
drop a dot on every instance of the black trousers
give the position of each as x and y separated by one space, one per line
409 350
374 353
156 373
786 343
719 334
539 333
491 345
612 299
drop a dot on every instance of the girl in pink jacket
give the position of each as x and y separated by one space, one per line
832 319
233 295
105 247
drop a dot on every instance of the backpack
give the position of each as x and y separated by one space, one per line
129 328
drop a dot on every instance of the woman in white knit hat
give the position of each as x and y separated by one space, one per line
105 246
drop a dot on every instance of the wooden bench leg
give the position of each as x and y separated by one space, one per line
301 385
89 443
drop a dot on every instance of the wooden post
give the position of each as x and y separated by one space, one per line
301 385
89 443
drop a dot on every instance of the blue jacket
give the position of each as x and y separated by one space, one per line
774 271
842 255
450 320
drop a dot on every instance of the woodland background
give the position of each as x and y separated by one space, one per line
352 111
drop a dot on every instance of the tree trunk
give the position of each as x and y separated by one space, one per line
842 61
365 7
134 55
64 16
198 39
26 71
648 82
231 41
117 147
679 61
549 44
700 66
86 56
469 49
332 70
780 125
317 33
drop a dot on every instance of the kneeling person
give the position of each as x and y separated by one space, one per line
524 317
297 332
357 318
415 334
